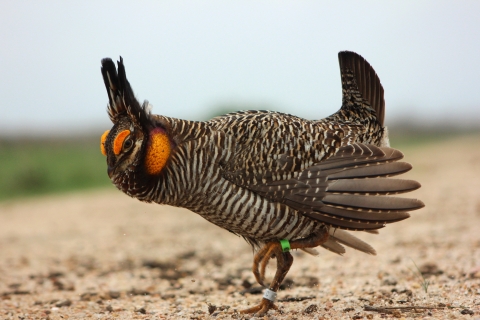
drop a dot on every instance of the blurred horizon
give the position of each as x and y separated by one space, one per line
405 125
192 60
35 166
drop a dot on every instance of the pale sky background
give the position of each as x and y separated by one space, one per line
186 57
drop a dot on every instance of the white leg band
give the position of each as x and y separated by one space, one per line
270 295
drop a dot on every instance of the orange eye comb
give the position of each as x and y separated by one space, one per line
102 142
118 142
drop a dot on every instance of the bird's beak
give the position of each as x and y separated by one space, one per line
110 171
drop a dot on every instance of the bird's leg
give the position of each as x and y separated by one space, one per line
268 251
284 262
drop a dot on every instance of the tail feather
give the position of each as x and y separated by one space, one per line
373 186
348 239
348 224
372 204
369 171
339 237
360 84
349 190
311 251
332 245
366 215
356 155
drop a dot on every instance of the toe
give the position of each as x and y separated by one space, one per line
261 309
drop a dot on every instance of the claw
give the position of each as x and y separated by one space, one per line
261 259
256 261
273 249
262 308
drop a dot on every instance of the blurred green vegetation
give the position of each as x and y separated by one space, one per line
39 166
405 138
30 167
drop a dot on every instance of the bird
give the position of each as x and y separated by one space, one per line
279 181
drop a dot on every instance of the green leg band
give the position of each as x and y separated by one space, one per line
285 245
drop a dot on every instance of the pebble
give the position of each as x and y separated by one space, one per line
63 303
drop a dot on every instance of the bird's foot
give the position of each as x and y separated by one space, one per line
284 262
262 308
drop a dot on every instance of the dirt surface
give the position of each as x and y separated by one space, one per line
103 255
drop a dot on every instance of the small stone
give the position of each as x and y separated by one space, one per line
311 309
396 260
139 292
467 311
252 290
141 310
55 274
389 282
62 285
475 272
396 314
430 269
14 285
63 303
211 308
87 296
246 284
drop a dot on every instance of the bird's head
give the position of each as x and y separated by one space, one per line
137 146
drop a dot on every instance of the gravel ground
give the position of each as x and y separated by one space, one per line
102 255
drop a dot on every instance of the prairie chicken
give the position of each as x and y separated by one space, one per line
279 181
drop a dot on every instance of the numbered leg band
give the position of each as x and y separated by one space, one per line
270 295
285 245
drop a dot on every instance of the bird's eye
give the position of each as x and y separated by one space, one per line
127 144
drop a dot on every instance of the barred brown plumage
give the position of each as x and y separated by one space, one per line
265 175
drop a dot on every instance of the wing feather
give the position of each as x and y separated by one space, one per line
348 190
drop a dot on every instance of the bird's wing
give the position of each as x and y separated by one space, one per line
271 146
348 189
